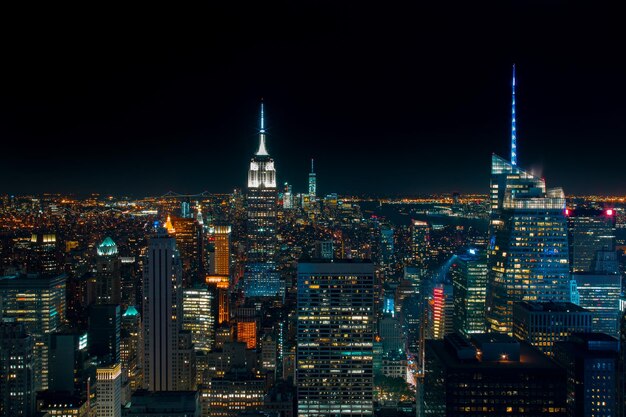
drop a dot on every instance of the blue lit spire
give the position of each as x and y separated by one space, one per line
262 150
513 131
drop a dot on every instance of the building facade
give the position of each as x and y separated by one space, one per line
335 335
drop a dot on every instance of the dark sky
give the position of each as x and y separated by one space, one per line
388 98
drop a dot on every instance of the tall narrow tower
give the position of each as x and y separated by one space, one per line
312 184
261 278
165 365
513 131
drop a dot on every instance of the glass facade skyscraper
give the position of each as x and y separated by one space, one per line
335 335
528 257
39 303
469 280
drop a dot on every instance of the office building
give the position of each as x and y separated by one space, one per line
108 273
163 404
544 324
591 361
43 255
105 323
420 242
198 316
335 334
324 249
528 256
469 281
489 374
70 367
131 348
386 244
262 280
17 379
232 395
621 367
600 294
219 285
37 301
58 404
189 241
221 264
261 202
109 390
164 367
591 233
440 311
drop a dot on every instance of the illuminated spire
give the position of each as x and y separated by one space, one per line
513 131
262 150
168 226
312 170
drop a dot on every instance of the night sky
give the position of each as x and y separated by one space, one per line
388 99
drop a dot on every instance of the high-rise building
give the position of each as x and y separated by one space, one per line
528 251
261 203
131 348
490 374
590 360
189 242
70 369
544 324
600 294
17 383
221 305
163 365
261 277
335 335
440 321
591 233
420 242
109 390
43 257
621 367
386 244
198 316
108 273
288 196
312 184
469 279
37 301
391 335
105 323
163 404
324 249
221 236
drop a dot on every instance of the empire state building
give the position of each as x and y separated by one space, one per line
261 205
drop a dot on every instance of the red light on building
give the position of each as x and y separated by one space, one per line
609 212
567 212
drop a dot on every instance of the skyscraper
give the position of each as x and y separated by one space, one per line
544 324
489 374
222 250
17 383
104 332
591 233
198 316
109 390
590 360
260 276
600 294
39 303
162 308
420 242
189 242
528 256
440 311
335 335
469 279
69 365
312 184
108 273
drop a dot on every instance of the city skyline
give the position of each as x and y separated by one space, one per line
406 98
